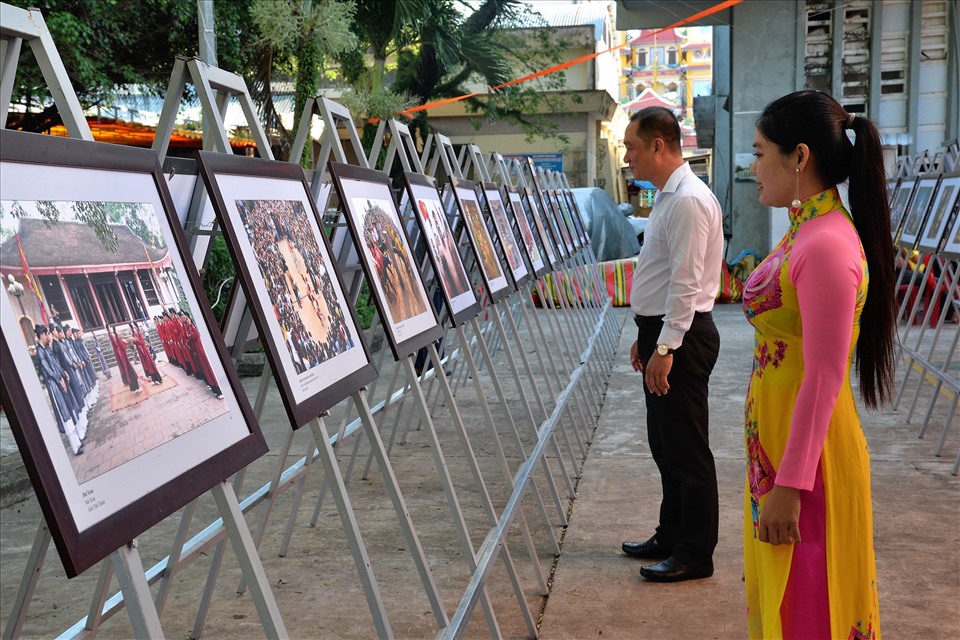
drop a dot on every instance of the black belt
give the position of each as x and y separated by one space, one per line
643 321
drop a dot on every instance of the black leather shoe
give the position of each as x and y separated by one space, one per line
649 549
673 570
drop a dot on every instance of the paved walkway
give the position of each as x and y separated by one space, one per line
596 591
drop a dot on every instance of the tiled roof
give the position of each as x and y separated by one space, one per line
65 244
569 15
662 37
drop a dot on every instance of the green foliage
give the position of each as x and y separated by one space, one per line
366 309
298 35
220 269
108 44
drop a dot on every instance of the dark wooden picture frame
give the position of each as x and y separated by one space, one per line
441 246
951 244
500 219
535 256
899 203
210 432
373 219
291 282
559 223
577 216
549 247
546 211
941 206
916 214
495 276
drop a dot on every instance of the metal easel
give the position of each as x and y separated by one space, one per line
17 25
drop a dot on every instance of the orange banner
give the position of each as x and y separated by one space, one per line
560 67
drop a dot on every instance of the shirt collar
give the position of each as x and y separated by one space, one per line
673 182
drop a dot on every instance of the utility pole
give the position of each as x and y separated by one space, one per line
208 37
208 48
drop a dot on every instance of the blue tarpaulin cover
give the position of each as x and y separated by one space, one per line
611 234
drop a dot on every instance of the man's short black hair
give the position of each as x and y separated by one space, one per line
658 122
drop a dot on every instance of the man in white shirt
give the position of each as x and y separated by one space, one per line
674 286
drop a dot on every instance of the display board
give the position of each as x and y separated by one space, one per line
558 221
386 257
916 213
141 443
494 276
508 241
291 281
533 252
455 285
940 209
899 203
546 240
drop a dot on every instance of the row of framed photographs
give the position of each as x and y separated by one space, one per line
102 219
923 213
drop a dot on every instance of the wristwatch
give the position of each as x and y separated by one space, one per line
664 350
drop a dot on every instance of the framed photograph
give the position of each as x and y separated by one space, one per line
951 248
494 277
939 216
387 258
546 210
534 256
120 393
893 184
508 241
567 219
916 213
458 293
557 222
898 206
290 281
583 236
553 254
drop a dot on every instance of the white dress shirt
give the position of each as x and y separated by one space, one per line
678 269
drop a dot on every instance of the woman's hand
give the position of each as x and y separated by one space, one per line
780 516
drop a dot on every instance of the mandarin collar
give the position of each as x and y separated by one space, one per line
816 205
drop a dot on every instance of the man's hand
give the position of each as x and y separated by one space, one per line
658 369
780 516
635 358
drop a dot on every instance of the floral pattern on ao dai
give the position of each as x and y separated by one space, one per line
802 430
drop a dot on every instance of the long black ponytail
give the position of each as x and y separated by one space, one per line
819 121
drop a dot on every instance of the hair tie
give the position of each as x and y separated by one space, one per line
850 118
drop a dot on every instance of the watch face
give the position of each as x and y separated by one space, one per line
663 349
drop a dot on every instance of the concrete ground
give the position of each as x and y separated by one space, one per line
595 590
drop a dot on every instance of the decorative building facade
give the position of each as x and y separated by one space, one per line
129 284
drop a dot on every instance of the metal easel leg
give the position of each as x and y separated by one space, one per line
136 592
400 507
446 481
328 458
246 551
28 582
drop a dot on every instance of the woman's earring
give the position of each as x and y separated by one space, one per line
796 200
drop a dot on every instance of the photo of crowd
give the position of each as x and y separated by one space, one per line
390 257
481 239
510 248
295 273
450 266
